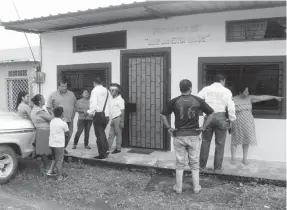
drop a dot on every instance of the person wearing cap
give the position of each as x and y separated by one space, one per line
117 111
186 109
220 99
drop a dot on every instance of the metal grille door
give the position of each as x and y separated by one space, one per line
146 91
13 87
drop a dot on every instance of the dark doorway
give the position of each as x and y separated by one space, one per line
81 76
145 78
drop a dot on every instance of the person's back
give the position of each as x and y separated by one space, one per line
186 109
24 111
57 132
220 99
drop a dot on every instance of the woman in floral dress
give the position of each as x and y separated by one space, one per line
243 128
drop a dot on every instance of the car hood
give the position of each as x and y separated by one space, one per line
11 121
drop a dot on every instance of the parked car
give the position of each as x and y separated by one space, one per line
16 141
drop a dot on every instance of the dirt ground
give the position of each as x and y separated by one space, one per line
102 188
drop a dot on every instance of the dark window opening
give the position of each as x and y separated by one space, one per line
256 30
101 41
264 78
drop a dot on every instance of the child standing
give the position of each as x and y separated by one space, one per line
58 129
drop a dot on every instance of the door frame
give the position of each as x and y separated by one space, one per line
83 67
125 54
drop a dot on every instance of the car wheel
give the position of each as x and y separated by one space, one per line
8 164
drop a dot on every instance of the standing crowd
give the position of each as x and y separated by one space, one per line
223 112
54 127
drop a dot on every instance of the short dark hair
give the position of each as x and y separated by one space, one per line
116 85
98 80
36 99
239 87
219 78
21 94
62 81
58 111
185 85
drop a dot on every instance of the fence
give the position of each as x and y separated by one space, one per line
13 87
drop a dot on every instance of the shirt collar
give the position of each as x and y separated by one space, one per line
217 84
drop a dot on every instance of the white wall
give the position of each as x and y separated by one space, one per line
57 50
4 69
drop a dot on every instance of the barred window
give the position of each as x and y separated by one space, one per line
17 73
262 78
101 41
256 29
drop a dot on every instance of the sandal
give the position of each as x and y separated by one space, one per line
245 162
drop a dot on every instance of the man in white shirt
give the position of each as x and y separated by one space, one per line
117 112
220 100
99 108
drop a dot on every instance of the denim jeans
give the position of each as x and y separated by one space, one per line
69 135
115 131
219 126
86 126
189 145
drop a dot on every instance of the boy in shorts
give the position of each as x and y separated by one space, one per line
58 129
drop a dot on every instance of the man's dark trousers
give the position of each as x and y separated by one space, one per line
102 141
68 136
219 125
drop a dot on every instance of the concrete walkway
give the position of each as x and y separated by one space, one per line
274 172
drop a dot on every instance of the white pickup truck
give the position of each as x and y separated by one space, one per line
16 141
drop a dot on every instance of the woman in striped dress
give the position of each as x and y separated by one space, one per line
243 128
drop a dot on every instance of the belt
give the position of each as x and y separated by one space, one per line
185 133
116 117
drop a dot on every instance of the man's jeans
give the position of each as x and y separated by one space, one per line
219 125
68 136
83 125
115 131
189 145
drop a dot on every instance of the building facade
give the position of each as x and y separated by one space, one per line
150 57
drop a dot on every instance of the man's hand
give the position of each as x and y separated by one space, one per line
201 129
170 130
122 125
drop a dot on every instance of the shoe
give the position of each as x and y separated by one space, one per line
203 170
197 190
218 171
245 162
176 189
51 174
66 152
116 151
100 157
88 147
74 147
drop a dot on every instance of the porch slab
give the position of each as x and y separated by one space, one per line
261 171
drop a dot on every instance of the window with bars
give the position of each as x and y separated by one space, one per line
17 73
256 29
265 77
100 41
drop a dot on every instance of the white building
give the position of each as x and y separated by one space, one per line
16 66
149 47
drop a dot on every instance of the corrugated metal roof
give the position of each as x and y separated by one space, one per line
132 12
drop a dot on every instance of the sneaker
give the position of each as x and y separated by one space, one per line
88 147
197 190
176 189
74 147
53 173
203 170
116 151
100 157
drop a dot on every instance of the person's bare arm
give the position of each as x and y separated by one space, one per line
45 116
255 99
49 105
122 123
231 107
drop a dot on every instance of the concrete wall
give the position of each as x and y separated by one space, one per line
4 69
207 36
